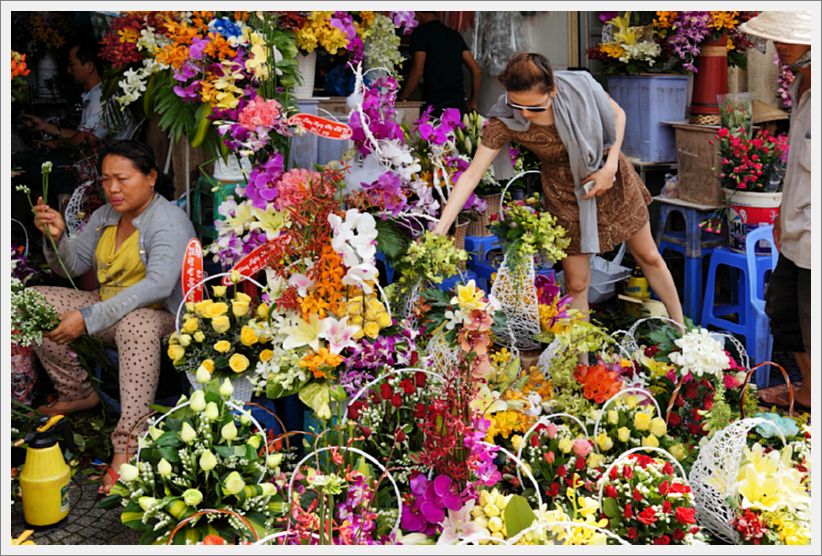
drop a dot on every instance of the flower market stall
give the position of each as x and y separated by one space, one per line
341 375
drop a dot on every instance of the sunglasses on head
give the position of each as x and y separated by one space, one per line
513 106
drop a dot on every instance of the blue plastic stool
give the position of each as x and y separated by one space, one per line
479 246
463 278
484 270
114 357
693 244
749 302
389 270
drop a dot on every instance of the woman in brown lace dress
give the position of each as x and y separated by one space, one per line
576 130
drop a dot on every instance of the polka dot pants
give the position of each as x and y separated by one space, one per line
138 337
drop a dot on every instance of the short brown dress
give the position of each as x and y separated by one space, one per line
621 211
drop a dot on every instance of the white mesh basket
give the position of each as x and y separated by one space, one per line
514 289
714 475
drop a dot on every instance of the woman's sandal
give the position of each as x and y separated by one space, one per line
110 472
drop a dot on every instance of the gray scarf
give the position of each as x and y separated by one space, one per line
585 123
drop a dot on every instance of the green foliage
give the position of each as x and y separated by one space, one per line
518 515
391 240
429 260
525 232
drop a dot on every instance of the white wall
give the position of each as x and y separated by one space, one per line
546 33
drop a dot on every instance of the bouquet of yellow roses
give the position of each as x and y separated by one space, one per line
221 338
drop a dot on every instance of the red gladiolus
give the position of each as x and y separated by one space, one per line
396 400
386 391
419 410
685 516
554 489
628 512
647 516
561 471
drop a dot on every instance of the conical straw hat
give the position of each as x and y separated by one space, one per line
787 27
764 112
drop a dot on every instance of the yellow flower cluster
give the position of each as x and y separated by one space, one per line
220 90
586 511
724 20
505 423
612 50
489 513
539 384
664 20
206 318
318 31
368 313
789 531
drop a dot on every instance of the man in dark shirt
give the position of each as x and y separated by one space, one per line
438 54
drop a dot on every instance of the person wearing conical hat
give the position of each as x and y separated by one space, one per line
788 303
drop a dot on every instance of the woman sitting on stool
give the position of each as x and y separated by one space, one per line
135 243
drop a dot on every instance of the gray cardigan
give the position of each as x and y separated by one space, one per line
164 230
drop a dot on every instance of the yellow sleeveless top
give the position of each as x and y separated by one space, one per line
120 269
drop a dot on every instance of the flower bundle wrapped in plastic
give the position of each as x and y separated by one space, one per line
201 455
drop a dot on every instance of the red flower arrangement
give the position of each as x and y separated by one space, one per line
647 503
748 161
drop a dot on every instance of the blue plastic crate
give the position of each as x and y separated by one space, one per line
649 100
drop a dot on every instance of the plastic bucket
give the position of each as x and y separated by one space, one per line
748 210
649 100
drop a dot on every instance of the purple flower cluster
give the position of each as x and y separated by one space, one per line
378 103
689 30
404 21
439 131
784 80
386 192
261 188
345 23
481 458
605 17
357 522
21 269
431 499
369 357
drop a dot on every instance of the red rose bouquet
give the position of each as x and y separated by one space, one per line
647 503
